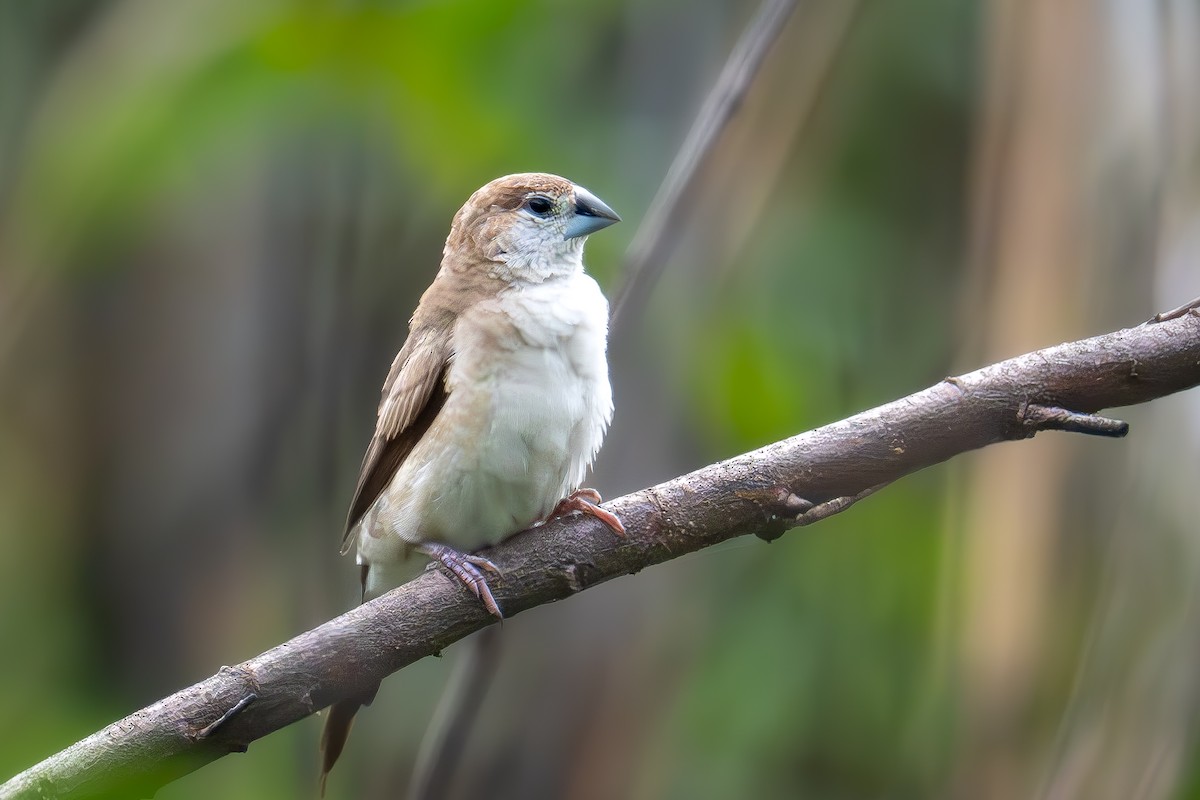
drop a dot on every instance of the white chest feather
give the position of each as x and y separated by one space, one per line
529 403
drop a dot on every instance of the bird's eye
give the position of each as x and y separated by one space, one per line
540 206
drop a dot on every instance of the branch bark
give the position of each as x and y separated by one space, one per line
793 482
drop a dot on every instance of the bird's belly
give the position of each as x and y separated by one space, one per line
532 451
499 457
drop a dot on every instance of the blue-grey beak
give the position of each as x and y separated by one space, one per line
591 214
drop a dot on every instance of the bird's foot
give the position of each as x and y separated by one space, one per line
468 569
585 502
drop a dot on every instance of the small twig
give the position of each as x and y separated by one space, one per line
1045 418
1175 313
647 253
786 510
209 729
835 506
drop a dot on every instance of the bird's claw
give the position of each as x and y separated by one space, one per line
586 501
466 568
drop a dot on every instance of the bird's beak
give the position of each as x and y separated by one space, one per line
591 214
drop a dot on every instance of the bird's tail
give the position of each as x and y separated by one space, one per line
337 730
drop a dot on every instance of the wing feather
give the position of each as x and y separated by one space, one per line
413 394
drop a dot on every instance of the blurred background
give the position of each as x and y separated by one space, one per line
216 217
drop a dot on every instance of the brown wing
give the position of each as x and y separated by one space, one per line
413 394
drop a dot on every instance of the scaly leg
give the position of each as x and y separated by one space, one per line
585 502
466 568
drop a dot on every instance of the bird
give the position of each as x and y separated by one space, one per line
496 405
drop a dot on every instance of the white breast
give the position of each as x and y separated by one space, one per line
528 407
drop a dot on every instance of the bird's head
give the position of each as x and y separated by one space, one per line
529 226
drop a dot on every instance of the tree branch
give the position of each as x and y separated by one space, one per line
789 483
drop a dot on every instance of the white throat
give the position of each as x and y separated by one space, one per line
536 262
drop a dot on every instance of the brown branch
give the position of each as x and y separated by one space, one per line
793 482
